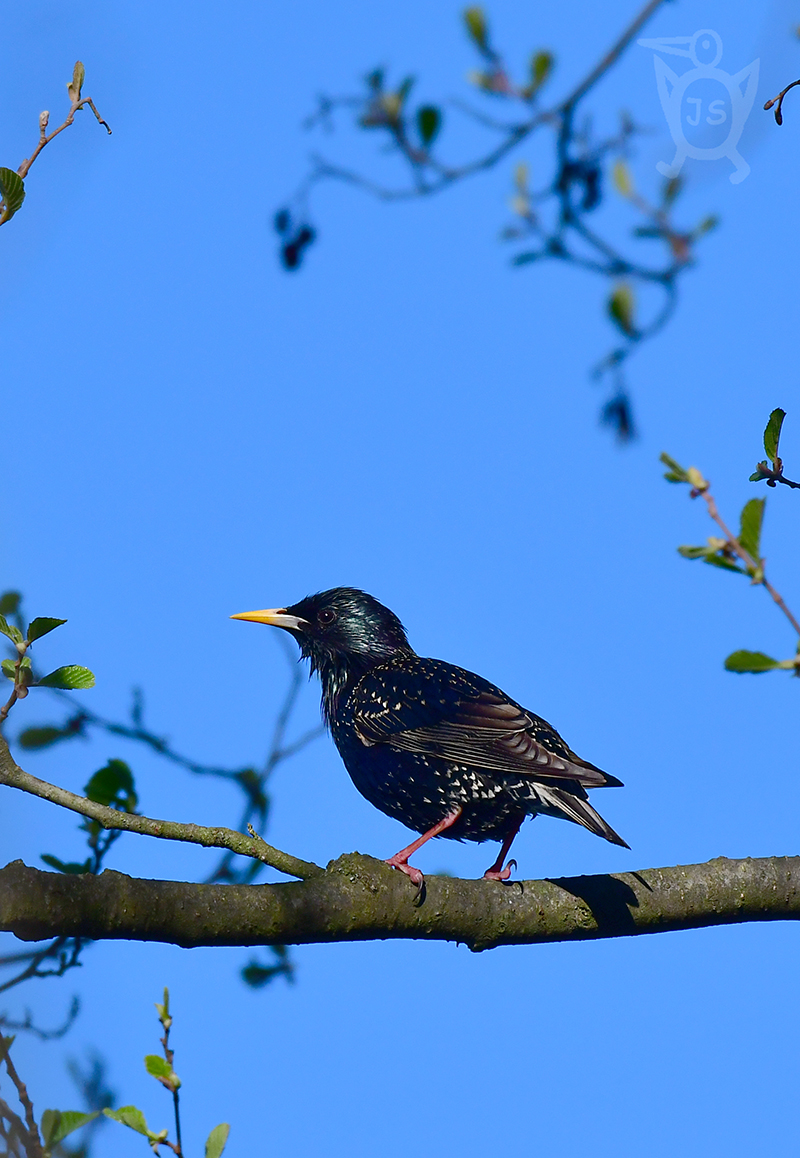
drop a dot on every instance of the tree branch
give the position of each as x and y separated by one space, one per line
358 898
110 818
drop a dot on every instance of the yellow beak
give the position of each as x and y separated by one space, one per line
276 617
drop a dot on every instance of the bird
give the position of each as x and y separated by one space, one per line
430 744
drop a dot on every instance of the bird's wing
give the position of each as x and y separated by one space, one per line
437 709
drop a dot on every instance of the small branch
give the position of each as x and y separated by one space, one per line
13 776
779 101
33 1146
772 476
737 548
45 140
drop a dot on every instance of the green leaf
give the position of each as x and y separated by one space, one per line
706 225
693 552
71 867
10 630
621 176
12 188
56 1124
216 1140
130 1116
672 188
9 669
676 473
772 433
71 678
722 561
157 1066
620 309
750 531
112 785
9 602
429 122
754 662
759 475
76 84
541 67
475 21
41 626
33 738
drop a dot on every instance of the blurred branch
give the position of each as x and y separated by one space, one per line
554 216
29 1133
27 1025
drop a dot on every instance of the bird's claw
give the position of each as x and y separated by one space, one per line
415 875
494 874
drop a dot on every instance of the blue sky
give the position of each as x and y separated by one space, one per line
192 432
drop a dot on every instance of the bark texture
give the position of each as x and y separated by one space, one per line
358 898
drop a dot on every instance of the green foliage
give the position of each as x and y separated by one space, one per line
158 1067
70 678
705 226
76 84
8 629
41 626
163 1010
9 669
429 122
750 529
620 309
33 739
672 188
772 433
541 67
215 1143
72 867
678 474
10 602
134 1119
57 1124
477 28
621 176
112 785
755 662
12 188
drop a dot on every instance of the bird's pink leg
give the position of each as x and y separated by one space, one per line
400 859
497 872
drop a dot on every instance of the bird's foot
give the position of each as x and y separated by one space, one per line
415 875
499 874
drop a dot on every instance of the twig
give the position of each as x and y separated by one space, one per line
28 1026
737 548
13 776
779 100
44 139
34 1143
612 56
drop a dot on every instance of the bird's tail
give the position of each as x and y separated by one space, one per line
581 811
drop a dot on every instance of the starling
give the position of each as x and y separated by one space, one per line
434 746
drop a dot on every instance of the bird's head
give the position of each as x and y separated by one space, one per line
341 631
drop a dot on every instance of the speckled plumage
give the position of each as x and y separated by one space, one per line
422 738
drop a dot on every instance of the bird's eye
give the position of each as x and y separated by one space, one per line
326 616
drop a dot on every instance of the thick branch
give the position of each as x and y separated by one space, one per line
110 818
358 898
